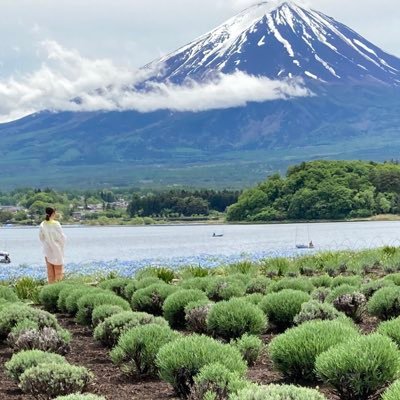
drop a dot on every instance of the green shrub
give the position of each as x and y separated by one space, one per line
392 392
196 314
385 303
116 285
314 310
77 396
361 367
24 360
20 327
151 298
87 303
216 382
174 305
254 298
368 289
196 283
142 283
182 359
320 294
47 381
162 273
277 392
130 288
340 291
352 304
346 280
278 266
100 313
244 267
27 288
137 348
395 278
231 319
48 295
8 294
302 284
72 297
250 348
294 352
320 281
238 277
15 313
283 306
66 292
109 331
391 329
258 285
4 303
193 271
46 339
224 288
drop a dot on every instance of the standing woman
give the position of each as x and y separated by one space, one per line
53 240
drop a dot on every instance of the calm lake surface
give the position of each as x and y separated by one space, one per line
133 247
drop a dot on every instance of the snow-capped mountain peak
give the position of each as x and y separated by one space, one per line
281 39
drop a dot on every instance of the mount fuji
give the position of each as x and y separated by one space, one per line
282 39
353 111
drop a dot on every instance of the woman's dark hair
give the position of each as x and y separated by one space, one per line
49 212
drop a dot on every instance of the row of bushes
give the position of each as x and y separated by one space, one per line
356 366
145 344
210 305
306 352
46 375
24 327
38 343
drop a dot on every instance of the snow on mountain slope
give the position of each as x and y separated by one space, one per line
282 39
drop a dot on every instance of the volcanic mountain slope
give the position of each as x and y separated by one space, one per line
354 112
283 39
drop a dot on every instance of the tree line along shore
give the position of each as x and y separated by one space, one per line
310 191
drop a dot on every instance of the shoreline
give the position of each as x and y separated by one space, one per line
377 218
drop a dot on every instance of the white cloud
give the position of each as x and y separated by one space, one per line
101 85
224 91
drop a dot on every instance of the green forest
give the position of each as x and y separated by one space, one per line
322 190
117 206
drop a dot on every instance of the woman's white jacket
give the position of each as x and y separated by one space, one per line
53 240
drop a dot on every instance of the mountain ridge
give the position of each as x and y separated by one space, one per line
354 116
274 31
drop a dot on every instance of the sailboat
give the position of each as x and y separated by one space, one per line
217 234
4 257
308 245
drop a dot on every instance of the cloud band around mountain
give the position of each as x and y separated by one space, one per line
102 86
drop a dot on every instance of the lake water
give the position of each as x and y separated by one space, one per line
91 249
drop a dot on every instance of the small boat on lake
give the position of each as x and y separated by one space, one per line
305 246
217 234
5 257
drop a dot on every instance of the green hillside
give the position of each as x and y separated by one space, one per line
235 147
323 190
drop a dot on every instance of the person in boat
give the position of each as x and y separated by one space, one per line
6 257
53 240
214 234
311 245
